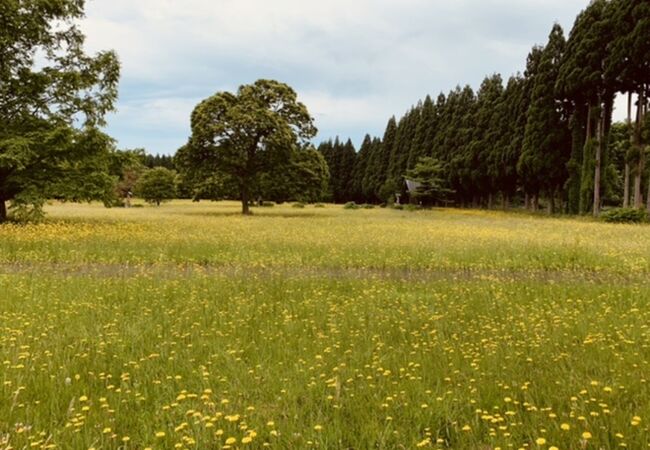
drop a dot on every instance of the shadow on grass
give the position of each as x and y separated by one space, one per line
283 214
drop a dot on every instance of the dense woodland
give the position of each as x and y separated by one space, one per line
542 137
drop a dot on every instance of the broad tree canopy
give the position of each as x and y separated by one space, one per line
238 137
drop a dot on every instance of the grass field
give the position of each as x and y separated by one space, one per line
189 326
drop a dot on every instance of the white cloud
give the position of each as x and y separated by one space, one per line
353 63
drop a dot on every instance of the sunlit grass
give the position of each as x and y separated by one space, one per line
189 326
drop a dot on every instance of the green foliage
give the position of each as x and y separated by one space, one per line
531 136
157 185
299 205
351 205
625 215
412 208
428 173
127 166
341 160
303 177
47 82
236 138
389 189
157 160
542 163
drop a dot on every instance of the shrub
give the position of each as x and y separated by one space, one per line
410 207
319 205
398 207
298 205
368 206
351 205
267 204
625 215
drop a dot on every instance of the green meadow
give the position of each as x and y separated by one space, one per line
190 326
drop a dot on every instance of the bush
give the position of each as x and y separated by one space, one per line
319 205
398 207
367 206
267 204
410 207
625 215
298 205
351 205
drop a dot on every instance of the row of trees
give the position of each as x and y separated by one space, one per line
544 134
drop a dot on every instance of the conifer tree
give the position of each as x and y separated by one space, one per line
424 132
486 135
582 80
543 160
628 67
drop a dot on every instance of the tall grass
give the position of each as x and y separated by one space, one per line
186 326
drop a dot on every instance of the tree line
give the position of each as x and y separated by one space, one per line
544 136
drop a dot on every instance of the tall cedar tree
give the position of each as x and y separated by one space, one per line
377 173
582 81
341 160
628 67
360 167
542 164
424 133
485 140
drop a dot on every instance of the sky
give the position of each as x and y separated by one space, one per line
354 64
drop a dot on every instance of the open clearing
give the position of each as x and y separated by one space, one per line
190 326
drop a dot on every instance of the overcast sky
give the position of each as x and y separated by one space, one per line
353 63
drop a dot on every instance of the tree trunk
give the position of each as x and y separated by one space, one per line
588 133
526 201
626 188
535 202
597 172
629 108
551 202
245 210
638 195
505 202
3 210
490 200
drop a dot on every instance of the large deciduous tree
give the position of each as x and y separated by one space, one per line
241 136
48 87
